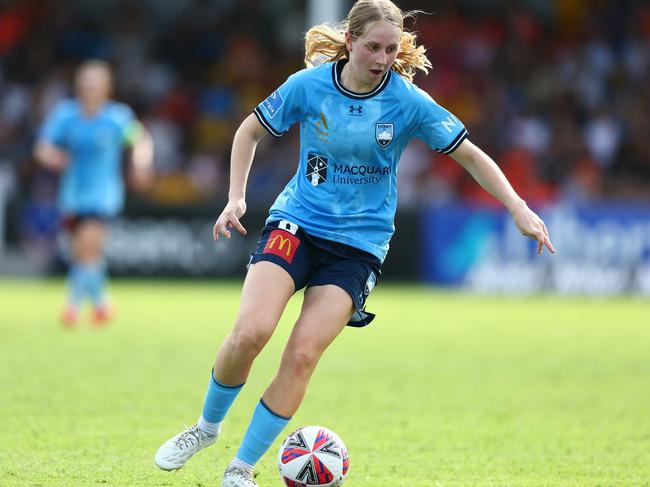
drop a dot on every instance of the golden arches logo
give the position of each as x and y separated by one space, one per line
283 241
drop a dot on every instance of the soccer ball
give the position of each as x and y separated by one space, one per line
313 456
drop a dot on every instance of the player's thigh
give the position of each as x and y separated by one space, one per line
88 239
266 292
325 312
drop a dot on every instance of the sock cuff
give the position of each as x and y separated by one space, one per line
238 462
208 426
225 386
279 416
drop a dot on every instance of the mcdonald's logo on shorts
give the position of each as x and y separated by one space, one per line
282 244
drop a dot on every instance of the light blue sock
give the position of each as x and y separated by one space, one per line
77 285
218 399
96 275
263 429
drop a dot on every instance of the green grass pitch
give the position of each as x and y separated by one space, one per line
443 389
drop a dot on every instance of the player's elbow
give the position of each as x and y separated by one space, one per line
40 153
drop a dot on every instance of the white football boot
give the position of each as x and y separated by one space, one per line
176 451
238 477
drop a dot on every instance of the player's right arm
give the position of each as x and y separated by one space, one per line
50 156
244 144
48 149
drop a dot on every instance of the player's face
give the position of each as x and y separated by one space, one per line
93 84
372 54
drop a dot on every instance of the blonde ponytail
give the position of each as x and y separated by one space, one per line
325 43
411 57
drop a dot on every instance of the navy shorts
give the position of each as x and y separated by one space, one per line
313 261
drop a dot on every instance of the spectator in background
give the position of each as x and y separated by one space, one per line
192 70
83 139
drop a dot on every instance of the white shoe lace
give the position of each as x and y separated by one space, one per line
243 477
190 437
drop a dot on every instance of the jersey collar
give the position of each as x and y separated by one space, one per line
337 68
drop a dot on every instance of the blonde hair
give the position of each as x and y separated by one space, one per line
95 64
324 43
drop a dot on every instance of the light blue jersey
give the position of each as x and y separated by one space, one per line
345 186
92 183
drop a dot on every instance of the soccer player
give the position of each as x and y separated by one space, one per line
329 229
84 138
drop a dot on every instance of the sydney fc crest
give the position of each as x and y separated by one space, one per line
384 133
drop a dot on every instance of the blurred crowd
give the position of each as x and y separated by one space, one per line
557 92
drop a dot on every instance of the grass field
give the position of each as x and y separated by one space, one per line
443 389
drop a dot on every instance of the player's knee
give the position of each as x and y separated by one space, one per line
302 361
248 341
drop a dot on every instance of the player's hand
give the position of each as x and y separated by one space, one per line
532 226
54 158
141 179
229 218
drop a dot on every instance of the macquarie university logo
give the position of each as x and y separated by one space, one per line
383 133
316 169
283 244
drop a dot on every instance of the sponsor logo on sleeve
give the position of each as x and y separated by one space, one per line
449 123
273 103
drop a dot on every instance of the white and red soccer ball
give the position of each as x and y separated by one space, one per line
313 456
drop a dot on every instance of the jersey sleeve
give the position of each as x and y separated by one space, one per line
53 128
130 127
436 126
283 107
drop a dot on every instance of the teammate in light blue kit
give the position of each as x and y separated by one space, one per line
329 229
84 138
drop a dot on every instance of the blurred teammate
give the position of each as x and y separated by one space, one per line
84 139
329 229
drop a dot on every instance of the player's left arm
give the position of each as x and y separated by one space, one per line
486 172
141 169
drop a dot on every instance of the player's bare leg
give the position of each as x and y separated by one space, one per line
267 289
325 312
88 246
86 276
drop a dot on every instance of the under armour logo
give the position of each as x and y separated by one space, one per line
356 109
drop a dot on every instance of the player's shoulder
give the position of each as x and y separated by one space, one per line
118 111
316 73
406 89
68 107
118 108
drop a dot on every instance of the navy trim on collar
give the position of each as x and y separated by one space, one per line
337 68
